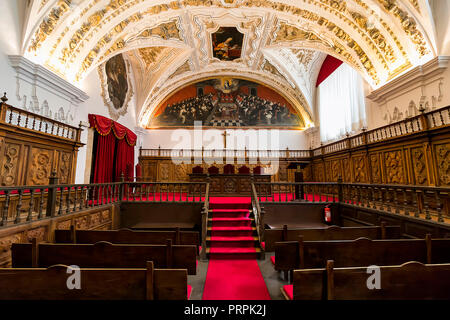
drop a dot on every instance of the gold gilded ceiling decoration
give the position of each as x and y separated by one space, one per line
105 40
49 23
304 56
76 35
150 55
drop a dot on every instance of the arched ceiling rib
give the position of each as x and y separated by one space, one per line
379 38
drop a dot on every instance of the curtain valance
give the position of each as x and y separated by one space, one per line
104 126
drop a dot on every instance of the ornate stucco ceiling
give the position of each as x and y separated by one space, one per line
285 41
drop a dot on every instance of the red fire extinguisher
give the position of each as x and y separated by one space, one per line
327 214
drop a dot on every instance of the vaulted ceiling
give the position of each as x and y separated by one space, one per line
168 43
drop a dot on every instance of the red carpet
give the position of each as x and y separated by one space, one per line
233 273
234 280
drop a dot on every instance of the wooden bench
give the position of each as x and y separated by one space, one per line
360 252
411 280
96 284
127 236
330 233
296 215
104 255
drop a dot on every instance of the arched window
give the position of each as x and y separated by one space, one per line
341 103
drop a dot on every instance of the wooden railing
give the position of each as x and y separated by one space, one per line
164 191
428 203
224 153
27 120
258 215
205 217
423 122
33 203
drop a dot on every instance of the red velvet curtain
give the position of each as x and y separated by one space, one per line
110 134
104 160
328 66
124 160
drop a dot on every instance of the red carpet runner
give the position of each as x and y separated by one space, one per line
233 272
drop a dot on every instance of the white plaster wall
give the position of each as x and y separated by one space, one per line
432 91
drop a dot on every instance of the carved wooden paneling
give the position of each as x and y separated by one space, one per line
335 170
360 170
41 166
43 230
443 163
347 176
64 166
181 172
319 172
393 163
64 225
40 234
82 222
5 248
375 168
328 171
28 157
419 166
10 164
164 171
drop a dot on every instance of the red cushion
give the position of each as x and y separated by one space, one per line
189 291
272 258
289 291
263 245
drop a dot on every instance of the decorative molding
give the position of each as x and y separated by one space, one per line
411 79
37 75
113 112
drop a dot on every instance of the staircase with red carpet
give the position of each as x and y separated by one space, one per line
231 230
233 247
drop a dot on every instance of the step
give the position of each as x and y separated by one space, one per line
231 231
229 205
233 253
229 213
241 242
230 222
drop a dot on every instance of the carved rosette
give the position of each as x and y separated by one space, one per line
10 164
41 166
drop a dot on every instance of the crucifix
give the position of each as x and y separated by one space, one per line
225 134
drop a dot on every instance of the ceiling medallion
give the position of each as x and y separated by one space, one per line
115 77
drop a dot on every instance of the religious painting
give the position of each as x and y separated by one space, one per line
227 43
116 85
226 102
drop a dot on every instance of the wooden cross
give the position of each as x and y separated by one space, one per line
225 134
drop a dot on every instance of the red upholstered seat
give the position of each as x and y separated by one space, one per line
263 245
189 290
244 170
289 291
272 259
257 170
197 170
228 169
213 170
